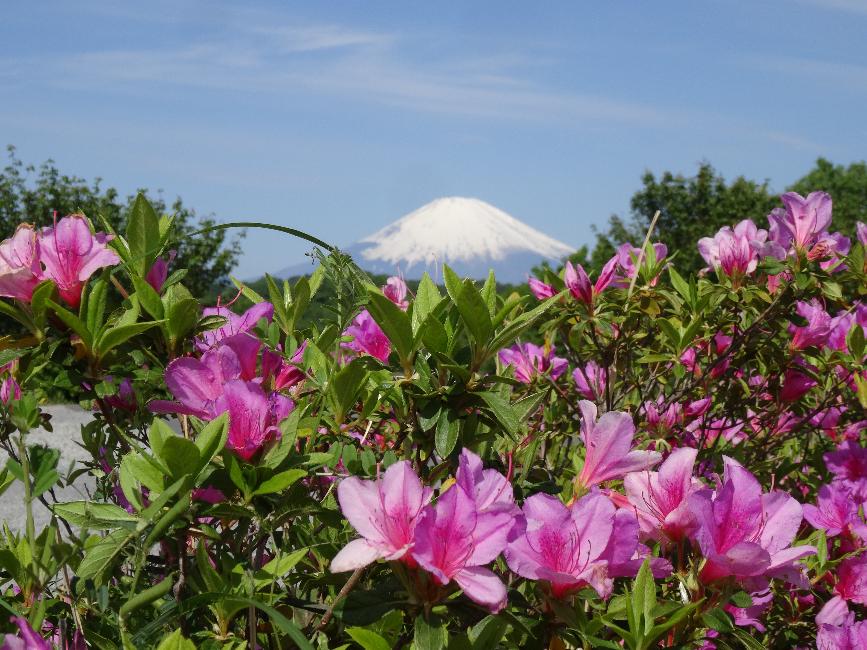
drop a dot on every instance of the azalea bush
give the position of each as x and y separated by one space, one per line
639 459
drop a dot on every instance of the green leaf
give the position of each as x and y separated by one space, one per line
211 439
855 342
471 306
680 285
427 298
344 387
280 482
181 456
73 322
446 435
149 595
176 641
89 514
100 557
368 639
143 235
644 596
115 336
488 632
742 599
489 293
503 412
96 305
148 297
429 635
717 619
394 322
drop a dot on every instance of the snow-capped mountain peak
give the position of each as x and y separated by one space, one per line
469 235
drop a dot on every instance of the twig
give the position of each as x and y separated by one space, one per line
350 584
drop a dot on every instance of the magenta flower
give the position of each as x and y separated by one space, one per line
395 290
734 251
661 418
454 540
384 512
235 323
817 330
745 533
26 639
541 290
284 374
531 361
851 587
368 338
587 543
849 636
9 390
159 272
627 258
848 464
660 499
796 382
861 233
489 489
835 512
253 416
590 381
19 264
608 447
805 218
579 285
71 253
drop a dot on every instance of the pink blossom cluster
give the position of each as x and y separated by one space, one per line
67 253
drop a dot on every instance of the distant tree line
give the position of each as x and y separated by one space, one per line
32 194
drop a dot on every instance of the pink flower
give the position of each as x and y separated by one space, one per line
235 323
660 499
663 421
454 540
851 587
796 382
734 251
531 361
627 258
608 447
817 330
384 512
805 218
26 639
253 416
578 282
395 290
9 390
541 290
124 399
19 264
849 636
71 253
489 489
569 547
745 533
284 375
861 233
835 512
849 466
590 381
368 338
159 272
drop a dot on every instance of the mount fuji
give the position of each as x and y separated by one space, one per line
469 235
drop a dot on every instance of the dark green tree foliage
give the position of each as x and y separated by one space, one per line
847 186
690 207
30 194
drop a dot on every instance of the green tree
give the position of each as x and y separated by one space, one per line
847 187
32 194
690 207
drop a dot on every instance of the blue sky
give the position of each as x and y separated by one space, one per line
338 118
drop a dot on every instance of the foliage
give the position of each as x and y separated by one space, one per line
408 469
32 195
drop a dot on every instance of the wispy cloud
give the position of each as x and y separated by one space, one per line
287 57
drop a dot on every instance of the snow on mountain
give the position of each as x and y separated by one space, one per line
469 235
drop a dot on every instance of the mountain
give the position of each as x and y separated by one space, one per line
469 235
